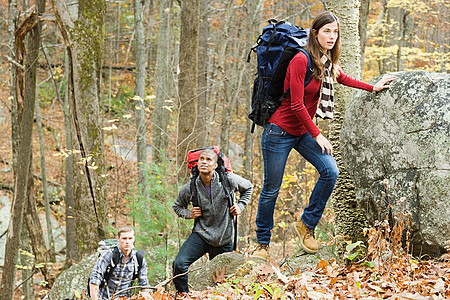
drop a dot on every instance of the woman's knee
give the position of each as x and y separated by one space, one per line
330 172
334 173
269 194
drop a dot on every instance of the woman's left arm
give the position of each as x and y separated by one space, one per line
355 83
381 84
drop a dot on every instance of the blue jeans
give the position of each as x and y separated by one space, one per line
276 146
193 248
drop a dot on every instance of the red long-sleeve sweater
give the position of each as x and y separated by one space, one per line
296 117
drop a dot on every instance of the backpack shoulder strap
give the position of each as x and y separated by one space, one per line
308 75
112 264
223 178
193 190
309 69
138 263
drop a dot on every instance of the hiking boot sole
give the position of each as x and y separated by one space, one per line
310 251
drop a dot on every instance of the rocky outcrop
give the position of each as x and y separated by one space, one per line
229 263
73 282
202 276
396 146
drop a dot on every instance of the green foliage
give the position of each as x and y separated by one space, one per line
121 102
46 92
249 285
355 250
157 226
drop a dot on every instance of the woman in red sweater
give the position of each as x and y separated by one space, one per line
292 127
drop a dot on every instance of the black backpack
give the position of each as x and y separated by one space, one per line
279 42
223 168
115 260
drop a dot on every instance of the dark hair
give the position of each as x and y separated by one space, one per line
124 229
210 151
314 49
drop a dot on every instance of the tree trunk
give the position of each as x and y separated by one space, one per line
150 46
48 216
349 219
140 93
254 11
84 38
362 27
26 260
71 234
161 115
12 19
234 83
394 31
203 96
31 219
24 151
223 42
187 84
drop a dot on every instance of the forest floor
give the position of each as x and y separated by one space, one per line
386 271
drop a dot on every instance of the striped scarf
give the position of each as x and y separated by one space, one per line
326 104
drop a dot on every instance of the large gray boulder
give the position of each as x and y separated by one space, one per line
72 283
396 146
202 271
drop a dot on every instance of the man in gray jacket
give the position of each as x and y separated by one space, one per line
213 229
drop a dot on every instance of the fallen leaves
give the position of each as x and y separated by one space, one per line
386 272
409 280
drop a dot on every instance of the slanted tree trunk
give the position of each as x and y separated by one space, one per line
349 218
139 96
187 83
25 259
24 151
84 35
31 219
161 115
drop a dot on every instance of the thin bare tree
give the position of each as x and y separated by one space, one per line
24 151
140 95
254 11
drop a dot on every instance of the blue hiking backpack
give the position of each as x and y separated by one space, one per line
279 42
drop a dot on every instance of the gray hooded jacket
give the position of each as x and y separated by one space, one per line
215 225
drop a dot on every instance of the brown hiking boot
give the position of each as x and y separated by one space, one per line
261 251
306 235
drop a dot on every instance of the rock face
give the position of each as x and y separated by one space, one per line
72 283
396 146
